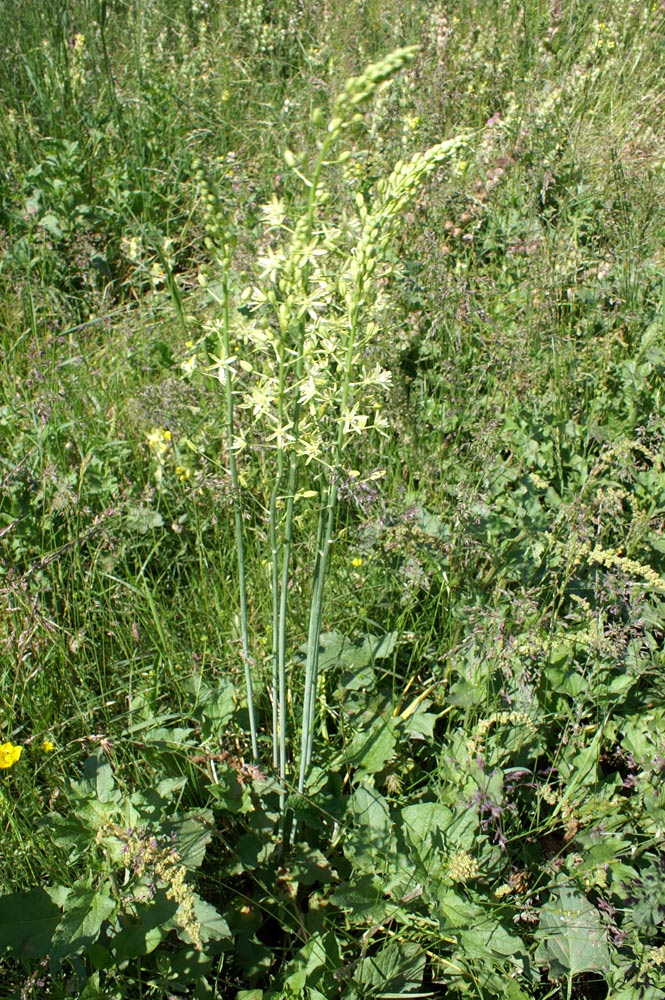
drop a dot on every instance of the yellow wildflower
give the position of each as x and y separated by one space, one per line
9 754
48 746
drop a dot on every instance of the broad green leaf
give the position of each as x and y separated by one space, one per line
354 657
94 813
192 835
424 824
178 736
92 989
456 914
571 935
430 524
188 965
369 843
580 768
85 912
51 223
98 776
27 923
133 942
143 520
398 968
490 937
373 746
213 925
153 803
565 680
220 707
308 866
306 968
420 724
365 898
464 695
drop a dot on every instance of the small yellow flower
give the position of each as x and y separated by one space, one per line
48 746
9 754
356 562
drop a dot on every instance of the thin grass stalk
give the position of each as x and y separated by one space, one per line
283 609
237 512
327 526
274 576
278 698
324 541
280 586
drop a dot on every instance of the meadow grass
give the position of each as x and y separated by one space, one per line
477 804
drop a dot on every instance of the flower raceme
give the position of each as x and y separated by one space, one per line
299 362
9 754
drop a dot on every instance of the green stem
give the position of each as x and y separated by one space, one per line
283 608
324 542
280 607
274 577
237 513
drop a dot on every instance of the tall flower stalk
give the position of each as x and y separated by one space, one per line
217 243
305 375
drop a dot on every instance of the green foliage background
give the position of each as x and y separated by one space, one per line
486 810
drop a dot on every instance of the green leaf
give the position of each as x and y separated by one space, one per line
98 777
138 940
213 925
167 738
27 923
307 967
571 935
187 965
456 914
193 834
490 937
364 897
398 968
370 843
221 707
465 695
85 912
51 224
153 803
423 824
354 657
373 746
143 519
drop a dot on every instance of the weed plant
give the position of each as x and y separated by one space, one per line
278 313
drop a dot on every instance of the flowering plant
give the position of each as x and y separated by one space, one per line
9 755
298 356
